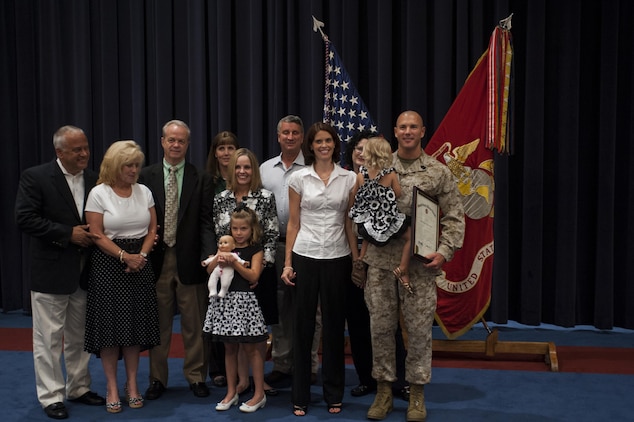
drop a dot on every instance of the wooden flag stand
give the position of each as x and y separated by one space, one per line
492 348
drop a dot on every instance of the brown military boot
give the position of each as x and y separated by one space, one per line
416 411
382 402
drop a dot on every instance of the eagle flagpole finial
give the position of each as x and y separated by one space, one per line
317 25
505 23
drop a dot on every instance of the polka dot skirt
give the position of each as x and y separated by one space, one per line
121 309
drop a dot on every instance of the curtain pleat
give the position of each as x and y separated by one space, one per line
564 199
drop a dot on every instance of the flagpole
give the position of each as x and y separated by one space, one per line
504 23
483 98
317 25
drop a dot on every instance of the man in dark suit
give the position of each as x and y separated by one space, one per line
50 208
182 280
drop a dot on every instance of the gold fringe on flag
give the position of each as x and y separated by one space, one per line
499 61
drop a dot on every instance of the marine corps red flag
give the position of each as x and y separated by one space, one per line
475 124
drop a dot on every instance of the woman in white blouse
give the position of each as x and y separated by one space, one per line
121 313
319 246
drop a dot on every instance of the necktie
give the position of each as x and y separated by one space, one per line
171 208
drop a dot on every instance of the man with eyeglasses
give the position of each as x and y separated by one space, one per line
182 281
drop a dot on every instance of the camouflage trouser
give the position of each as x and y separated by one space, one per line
383 296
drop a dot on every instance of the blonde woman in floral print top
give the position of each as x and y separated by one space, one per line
244 184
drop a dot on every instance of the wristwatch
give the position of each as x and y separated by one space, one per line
143 254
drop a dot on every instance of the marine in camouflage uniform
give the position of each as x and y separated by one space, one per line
384 295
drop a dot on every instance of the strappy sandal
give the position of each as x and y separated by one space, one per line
399 274
114 406
300 410
334 409
133 402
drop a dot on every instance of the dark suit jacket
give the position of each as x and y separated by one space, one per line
45 210
195 236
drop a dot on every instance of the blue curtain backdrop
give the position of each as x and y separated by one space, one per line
564 201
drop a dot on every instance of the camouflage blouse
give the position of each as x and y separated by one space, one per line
435 179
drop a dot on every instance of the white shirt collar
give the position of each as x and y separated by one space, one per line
66 172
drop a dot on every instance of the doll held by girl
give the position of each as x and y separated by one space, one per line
221 273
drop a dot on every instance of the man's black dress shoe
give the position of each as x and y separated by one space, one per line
56 411
275 377
362 390
155 390
200 389
90 398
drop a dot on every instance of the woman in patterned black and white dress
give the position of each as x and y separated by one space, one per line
121 315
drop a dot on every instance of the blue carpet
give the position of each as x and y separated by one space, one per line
454 394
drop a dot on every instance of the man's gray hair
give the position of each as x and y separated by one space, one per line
59 138
290 119
177 123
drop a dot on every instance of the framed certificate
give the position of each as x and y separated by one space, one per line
425 225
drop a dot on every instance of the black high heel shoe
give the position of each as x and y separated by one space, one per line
300 410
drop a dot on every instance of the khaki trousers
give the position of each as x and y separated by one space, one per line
191 302
58 329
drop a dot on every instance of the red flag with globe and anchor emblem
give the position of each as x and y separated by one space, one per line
475 124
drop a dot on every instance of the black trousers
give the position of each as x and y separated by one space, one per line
323 281
358 320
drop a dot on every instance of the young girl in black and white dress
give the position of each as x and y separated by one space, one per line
375 212
237 319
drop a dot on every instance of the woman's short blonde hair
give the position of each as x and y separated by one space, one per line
377 153
119 154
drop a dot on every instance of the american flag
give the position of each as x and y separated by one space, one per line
344 108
